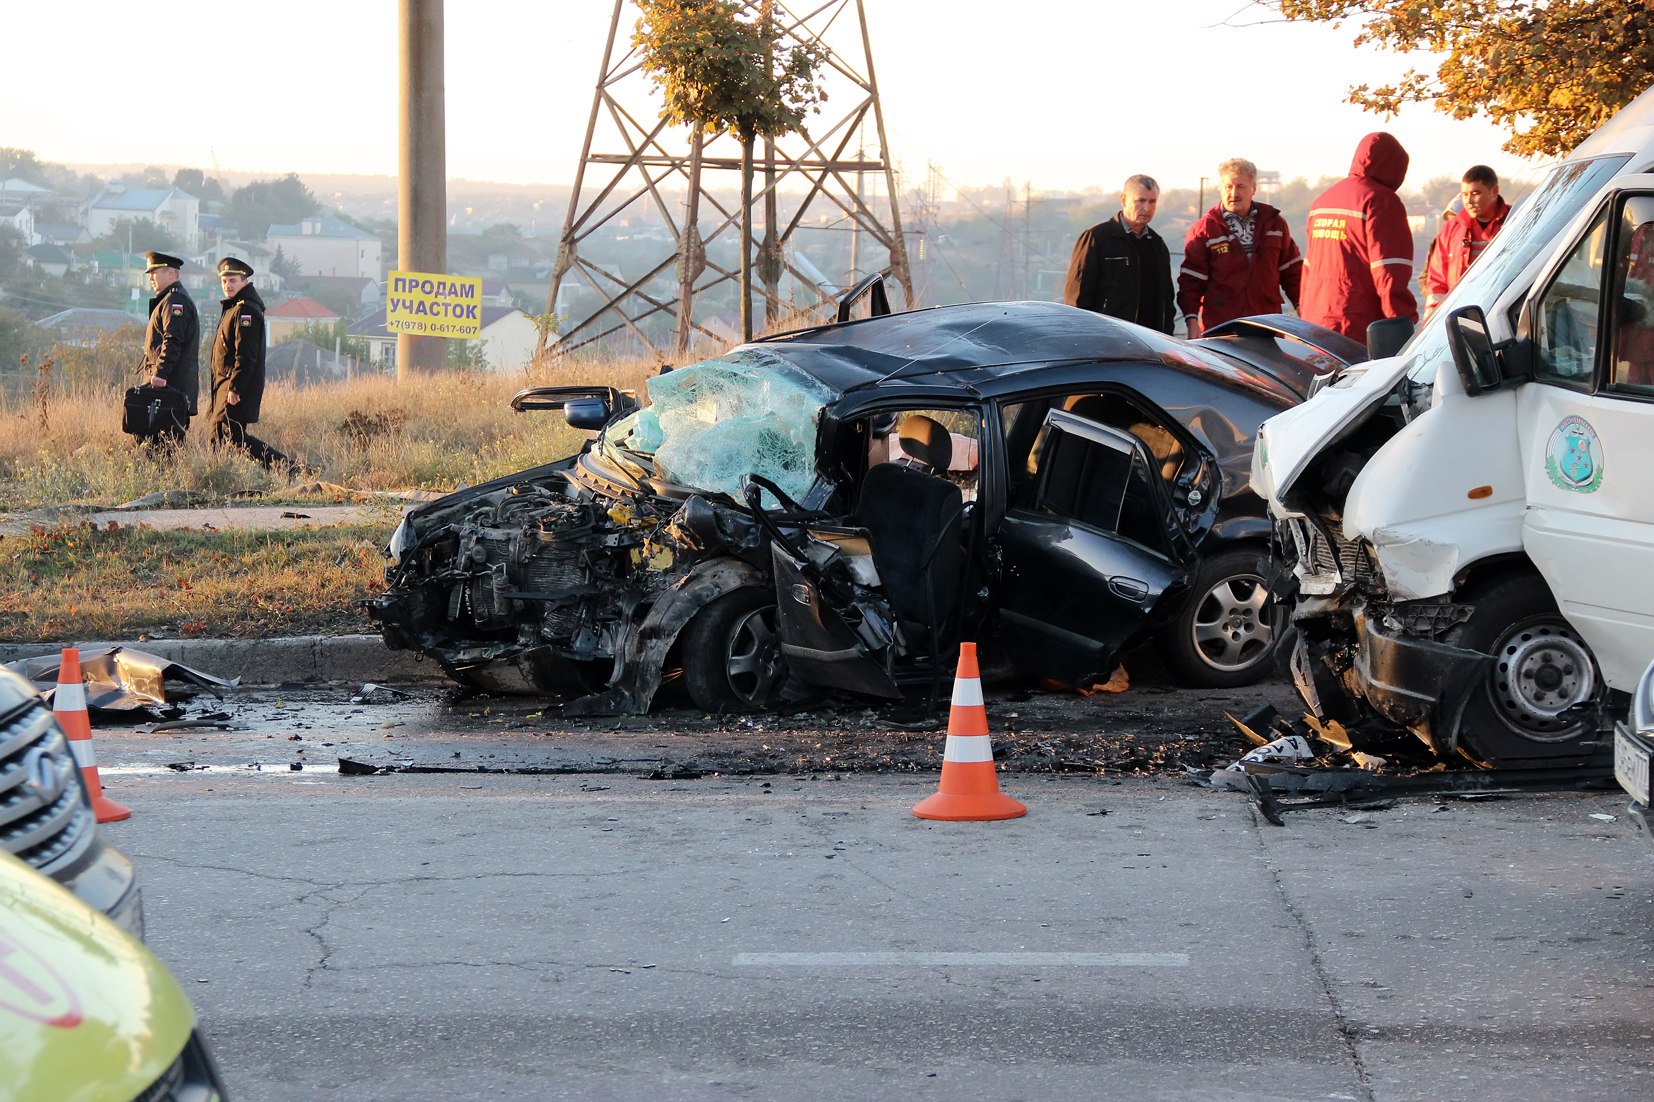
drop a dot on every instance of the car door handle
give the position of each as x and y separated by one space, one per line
1129 588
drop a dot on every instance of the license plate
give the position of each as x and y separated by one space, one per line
1630 765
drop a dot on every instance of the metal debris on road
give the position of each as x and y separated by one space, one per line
122 679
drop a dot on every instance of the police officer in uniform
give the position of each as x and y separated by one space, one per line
238 366
172 347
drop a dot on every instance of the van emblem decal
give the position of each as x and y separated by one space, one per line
1573 456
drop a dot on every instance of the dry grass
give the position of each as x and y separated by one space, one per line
62 444
79 582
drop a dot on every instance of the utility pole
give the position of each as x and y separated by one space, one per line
422 193
1027 237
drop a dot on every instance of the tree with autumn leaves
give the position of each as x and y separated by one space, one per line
1548 71
730 67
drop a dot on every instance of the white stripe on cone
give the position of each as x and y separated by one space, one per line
69 698
967 693
82 749
968 748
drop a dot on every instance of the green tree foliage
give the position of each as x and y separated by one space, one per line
21 164
263 203
726 73
327 337
143 234
284 265
192 181
1548 71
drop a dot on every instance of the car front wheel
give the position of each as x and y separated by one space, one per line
1224 633
1537 700
731 653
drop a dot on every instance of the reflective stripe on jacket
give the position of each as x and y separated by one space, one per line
1358 254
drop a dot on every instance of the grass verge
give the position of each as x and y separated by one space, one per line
80 582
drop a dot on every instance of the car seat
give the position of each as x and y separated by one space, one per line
913 520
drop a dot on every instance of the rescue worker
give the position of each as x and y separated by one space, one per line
172 352
238 365
1239 259
1121 267
1464 234
1358 259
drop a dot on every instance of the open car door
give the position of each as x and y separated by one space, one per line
1087 551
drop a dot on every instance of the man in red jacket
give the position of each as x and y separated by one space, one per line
1464 235
1239 258
1358 262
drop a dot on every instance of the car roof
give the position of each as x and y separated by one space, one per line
990 347
975 337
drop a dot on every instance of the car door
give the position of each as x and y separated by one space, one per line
1086 551
1584 425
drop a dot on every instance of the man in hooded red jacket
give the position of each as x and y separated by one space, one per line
1358 262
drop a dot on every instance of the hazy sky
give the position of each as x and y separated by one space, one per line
1059 93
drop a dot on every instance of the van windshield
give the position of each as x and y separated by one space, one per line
1532 228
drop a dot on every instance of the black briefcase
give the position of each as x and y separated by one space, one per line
153 409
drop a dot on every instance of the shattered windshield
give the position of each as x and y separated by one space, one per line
746 412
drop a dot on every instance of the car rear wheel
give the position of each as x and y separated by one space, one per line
1225 632
731 653
1533 702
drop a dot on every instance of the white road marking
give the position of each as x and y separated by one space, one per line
963 960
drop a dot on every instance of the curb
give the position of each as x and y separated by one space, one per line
278 661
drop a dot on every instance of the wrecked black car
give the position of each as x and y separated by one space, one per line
836 508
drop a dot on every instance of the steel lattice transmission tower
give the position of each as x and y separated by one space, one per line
817 197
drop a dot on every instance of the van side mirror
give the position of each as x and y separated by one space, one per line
1474 355
1386 336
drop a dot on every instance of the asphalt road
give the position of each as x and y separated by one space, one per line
605 936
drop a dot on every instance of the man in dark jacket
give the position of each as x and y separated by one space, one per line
238 365
172 347
1121 267
1358 264
1239 259
1464 234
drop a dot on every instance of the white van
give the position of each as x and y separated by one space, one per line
1470 523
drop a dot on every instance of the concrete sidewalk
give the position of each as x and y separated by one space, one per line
273 661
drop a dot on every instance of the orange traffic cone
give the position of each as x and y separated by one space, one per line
969 790
69 705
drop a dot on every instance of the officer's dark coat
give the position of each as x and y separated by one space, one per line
172 343
238 356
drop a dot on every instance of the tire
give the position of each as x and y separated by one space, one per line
1541 669
1225 633
732 655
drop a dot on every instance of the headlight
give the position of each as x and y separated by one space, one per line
401 540
1642 704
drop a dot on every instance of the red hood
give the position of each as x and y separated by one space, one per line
1381 158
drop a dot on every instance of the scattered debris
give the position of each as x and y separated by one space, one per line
1287 773
122 679
218 720
371 693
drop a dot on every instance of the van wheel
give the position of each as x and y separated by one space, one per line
1225 631
731 653
1535 700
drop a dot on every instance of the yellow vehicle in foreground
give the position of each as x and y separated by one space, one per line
87 1014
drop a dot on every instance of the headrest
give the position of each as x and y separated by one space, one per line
926 440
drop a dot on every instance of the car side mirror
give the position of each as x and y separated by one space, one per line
872 289
1474 354
586 413
1386 336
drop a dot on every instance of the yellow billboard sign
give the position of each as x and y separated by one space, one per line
434 305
